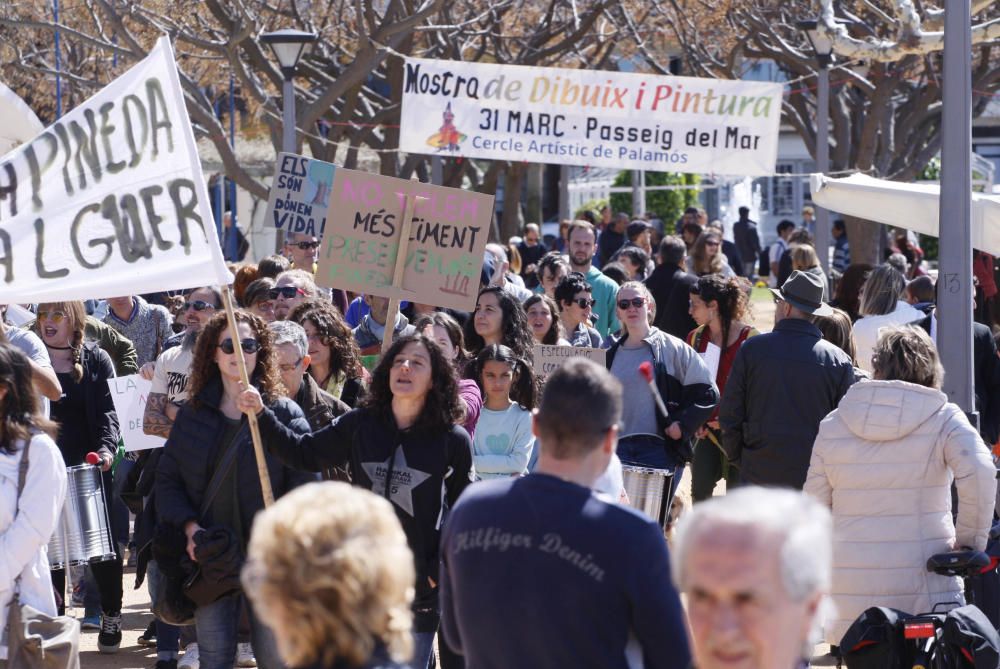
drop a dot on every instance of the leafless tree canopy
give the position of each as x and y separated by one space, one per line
885 98
346 82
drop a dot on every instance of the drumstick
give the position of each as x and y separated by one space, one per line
93 458
646 369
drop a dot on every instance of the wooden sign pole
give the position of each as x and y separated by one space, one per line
410 203
258 449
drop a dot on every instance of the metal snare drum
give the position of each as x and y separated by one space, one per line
649 490
83 534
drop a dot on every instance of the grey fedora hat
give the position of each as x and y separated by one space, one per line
804 291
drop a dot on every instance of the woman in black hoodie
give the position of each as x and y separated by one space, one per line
405 433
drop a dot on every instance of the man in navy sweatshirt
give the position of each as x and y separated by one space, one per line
538 572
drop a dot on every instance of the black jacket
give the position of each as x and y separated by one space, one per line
672 312
733 257
195 444
746 238
429 470
782 385
986 379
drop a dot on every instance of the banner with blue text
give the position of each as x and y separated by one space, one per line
590 117
110 199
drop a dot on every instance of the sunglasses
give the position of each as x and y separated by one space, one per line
306 246
634 302
584 303
288 292
198 305
711 243
54 316
248 345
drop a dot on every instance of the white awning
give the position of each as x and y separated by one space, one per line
904 205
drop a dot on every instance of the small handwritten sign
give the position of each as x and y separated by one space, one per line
549 358
129 395
444 253
300 194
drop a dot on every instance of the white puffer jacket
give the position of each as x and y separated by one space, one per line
883 462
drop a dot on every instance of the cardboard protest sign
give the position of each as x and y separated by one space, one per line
548 358
129 396
300 194
110 199
586 117
444 250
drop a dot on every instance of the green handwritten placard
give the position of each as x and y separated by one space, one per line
444 255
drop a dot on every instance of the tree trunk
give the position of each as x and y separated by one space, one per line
535 187
863 236
513 218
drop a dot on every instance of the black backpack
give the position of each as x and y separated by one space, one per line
875 640
971 639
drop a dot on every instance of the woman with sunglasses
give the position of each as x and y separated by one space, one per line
258 301
87 423
207 426
405 433
647 437
576 303
707 256
498 319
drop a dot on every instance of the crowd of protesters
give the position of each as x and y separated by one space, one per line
504 535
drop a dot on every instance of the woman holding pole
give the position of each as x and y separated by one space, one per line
207 478
404 433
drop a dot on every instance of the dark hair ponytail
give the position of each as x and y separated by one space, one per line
524 389
729 294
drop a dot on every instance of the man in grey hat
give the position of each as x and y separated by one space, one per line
781 386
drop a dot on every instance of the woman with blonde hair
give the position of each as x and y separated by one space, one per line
87 423
804 259
881 306
707 256
884 462
331 565
839 331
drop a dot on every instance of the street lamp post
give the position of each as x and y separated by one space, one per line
955 290
288 46
822 45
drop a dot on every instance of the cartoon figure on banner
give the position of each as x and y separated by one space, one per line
320 181
448 137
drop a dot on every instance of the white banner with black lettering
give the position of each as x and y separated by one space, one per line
110 199
589 117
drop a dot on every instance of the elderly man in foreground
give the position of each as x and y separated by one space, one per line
755 566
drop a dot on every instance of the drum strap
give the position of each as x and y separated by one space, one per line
222 471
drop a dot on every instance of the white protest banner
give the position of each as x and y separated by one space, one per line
110 199
300 194
549 357
589 117
444 250
129 396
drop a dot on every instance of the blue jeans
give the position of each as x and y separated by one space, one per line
647 450
167 635
216 625
423 648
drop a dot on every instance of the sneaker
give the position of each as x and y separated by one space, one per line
244 655
110 637
148 638
190 658
90 623
166 664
